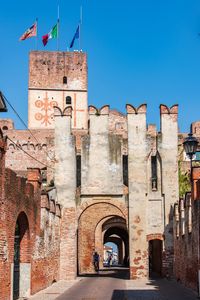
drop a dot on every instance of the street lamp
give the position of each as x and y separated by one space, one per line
190 146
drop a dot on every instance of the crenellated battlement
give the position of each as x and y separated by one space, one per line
104 110
67 111
164 109
141 109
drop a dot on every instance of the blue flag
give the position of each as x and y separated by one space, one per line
76 36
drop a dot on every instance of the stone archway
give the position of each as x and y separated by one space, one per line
115 230
120 247
90 236
21 260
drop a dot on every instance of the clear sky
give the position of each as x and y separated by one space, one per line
139 51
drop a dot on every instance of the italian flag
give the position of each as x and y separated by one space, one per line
53 34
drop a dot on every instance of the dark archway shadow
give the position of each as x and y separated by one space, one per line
112 272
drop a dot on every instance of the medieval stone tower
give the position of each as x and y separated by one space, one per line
57 79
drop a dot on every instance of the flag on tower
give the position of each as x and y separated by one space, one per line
76 36
30 32
53 34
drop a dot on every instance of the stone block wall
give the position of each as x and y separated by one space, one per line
168 149
65 181
151 152
101 156
137 153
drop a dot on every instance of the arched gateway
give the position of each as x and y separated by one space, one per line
100 223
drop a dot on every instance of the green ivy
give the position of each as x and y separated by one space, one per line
184 182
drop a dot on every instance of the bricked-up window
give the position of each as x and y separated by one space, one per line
64 80
68 100
78 170
154 173
125 170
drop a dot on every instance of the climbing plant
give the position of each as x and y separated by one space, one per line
184 182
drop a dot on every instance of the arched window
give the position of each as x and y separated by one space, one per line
68 100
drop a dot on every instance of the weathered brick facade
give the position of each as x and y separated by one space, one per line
187 234
21 204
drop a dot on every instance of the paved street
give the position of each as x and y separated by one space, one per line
113 284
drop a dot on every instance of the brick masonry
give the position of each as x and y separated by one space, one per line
20 201
186 235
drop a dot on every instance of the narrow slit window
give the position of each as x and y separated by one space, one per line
125 170
78 170
154 178
64 80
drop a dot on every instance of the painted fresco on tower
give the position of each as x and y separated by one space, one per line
45 116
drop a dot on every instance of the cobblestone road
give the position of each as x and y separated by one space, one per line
113 284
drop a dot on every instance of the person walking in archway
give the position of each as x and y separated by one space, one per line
96 259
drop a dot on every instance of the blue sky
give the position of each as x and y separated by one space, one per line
139 51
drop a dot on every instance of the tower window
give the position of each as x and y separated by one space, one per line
68 100
64 80
154 173
78 170
125 170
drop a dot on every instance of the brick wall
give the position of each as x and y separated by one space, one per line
46 69
20 201
186 241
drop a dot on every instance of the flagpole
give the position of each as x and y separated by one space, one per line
81 15
36 40
58 29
